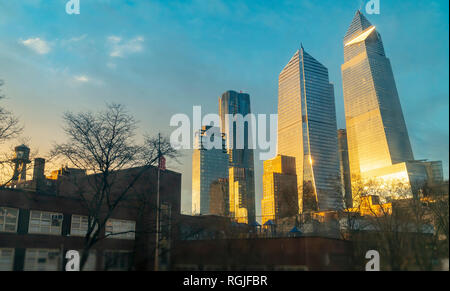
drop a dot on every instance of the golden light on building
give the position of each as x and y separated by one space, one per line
307 131
379 148
237 191
241 161
208 166
280 198
372 206
361 37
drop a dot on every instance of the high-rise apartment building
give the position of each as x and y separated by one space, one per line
280 194
378 142
307 131
208 167
241 163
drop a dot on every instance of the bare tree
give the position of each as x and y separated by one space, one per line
9 124
407 230
103 144
437 201
10 128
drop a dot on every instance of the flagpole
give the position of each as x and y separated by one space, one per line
157 205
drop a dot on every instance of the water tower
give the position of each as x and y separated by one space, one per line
21 159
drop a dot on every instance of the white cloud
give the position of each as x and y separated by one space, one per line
85 79
76 38
120 48
38 45
82 78
114 39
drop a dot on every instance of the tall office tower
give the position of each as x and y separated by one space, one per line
378 141
345 168
238 191
208 166
280 194
218 195
307 131
241 164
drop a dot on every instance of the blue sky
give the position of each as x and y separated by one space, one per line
162 57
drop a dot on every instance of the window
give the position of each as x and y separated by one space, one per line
42 260
45 222
118 260
91 263
79 225
8 219
6 259
126 228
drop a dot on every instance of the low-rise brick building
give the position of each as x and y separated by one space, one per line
38 227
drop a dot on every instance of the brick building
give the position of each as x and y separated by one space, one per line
40 224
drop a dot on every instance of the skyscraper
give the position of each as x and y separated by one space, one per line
208 167
378 141
307 131
345 168
241 163
280 194
218 198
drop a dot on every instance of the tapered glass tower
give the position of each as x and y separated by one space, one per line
307 131
378 141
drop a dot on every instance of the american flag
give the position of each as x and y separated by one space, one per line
162 163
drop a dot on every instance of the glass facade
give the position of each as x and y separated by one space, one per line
345 168
376 129
241 161
219 201
435 172
280 194
208 166
307 131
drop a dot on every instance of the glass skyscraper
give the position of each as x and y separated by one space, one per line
241 163
378 141
209 166
345 168
307 131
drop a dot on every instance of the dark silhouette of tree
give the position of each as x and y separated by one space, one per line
309 197
409 231
103 143
9 124
10 128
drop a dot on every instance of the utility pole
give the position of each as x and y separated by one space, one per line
158 206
